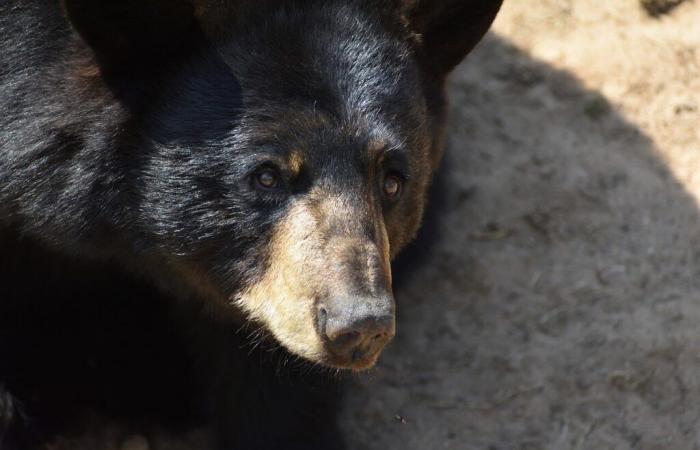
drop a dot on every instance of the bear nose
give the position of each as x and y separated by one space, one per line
355 331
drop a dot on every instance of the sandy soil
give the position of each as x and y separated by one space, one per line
558 307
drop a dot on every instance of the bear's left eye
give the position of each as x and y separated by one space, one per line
266 178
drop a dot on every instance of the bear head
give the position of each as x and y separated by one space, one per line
280 152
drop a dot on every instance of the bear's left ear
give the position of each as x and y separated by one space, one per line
122 33
449 29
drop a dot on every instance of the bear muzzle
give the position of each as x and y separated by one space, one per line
355 330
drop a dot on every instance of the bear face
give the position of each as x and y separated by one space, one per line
326 171
268 157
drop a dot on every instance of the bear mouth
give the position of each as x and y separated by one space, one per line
360 360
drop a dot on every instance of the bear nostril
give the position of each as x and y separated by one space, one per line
322 320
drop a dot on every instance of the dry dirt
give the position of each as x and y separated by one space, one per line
559 304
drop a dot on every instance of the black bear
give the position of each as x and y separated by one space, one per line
174 171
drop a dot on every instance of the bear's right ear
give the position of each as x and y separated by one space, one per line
449 29
123 32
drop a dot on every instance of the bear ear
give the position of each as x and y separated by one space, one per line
124 32
449 29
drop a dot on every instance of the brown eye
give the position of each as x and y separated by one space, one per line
392 186
267 179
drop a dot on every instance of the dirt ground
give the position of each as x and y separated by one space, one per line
558 307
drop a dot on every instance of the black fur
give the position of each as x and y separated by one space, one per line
90 339
129 132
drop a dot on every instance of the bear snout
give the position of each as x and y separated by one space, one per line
355 330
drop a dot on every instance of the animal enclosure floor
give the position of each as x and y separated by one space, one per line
559 307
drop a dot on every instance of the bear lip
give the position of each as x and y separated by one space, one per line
359 360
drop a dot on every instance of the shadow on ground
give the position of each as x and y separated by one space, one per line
556 305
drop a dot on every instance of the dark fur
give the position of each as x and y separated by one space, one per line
128 137
90 339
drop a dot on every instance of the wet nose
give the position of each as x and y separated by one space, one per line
355 330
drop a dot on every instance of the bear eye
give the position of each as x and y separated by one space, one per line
267 178
392 186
